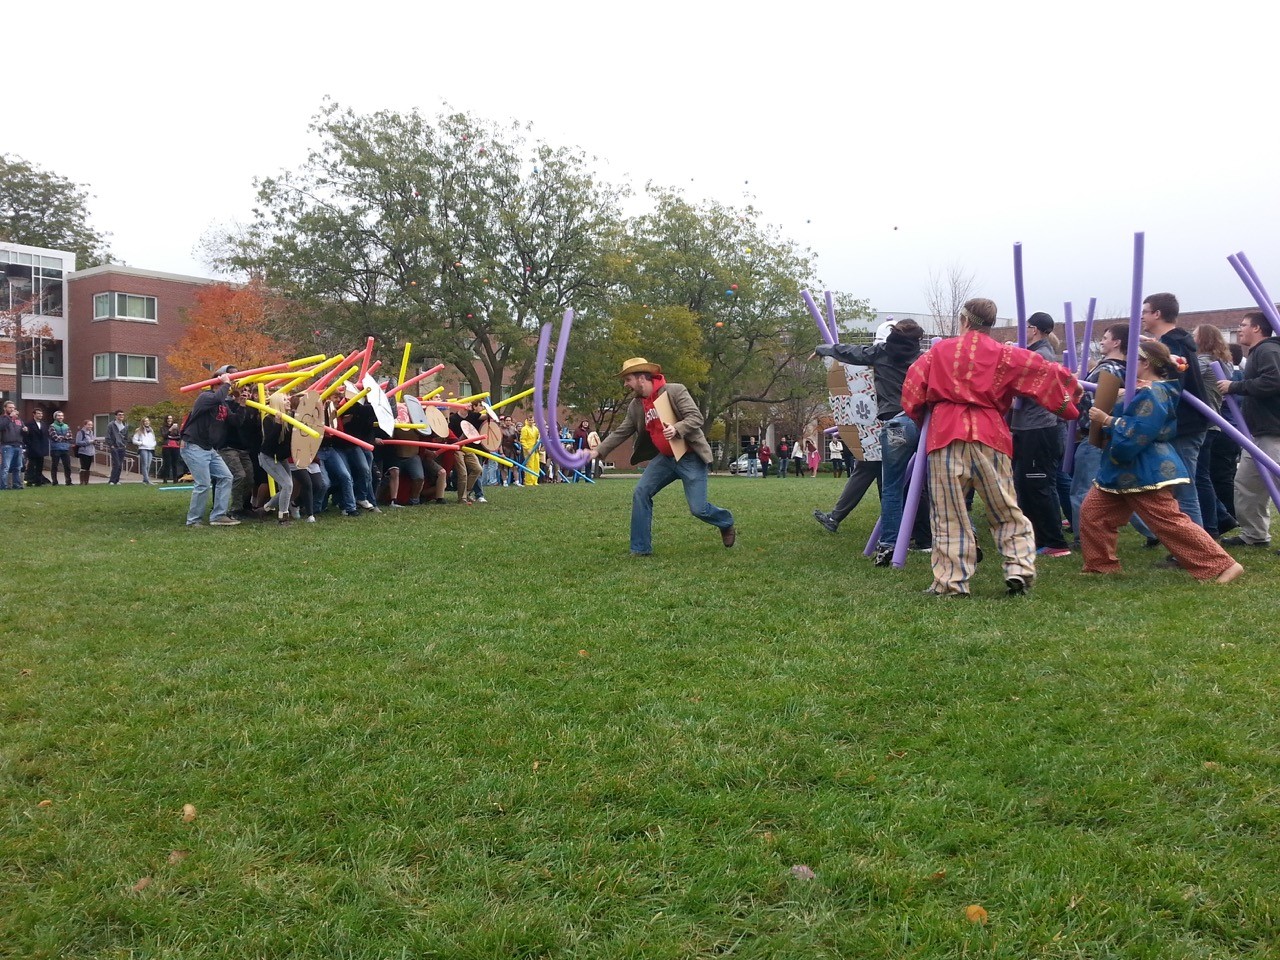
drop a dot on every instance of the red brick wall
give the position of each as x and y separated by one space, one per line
88 337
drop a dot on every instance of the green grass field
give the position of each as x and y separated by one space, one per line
489 732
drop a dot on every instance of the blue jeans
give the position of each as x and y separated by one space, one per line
11 466
341 485
117 462
662 470
1188 448
144 464
1088 460
207 469
361 471
897 443
319 487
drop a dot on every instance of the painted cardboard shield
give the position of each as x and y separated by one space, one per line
469 430
414 406
382 408
493 436
852 392
437 421
311 412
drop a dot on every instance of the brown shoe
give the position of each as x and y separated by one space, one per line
729 535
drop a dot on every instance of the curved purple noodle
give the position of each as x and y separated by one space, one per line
817 317
1234 405
545 416
1135 319
871 544
1254 285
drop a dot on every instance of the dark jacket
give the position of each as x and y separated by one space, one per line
1190 420
1029 415
37 438
206 424
117 435
10 430
889 362
1261 389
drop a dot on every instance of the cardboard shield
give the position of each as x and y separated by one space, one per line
852 392
667 414
311 412
1109 387
493 436
414 406
437 421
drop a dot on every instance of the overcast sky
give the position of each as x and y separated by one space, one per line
891 141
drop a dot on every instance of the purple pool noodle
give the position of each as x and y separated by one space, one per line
1069 359
1234 405
569 461
817 316
832 326
1019 295
830 430
1255 289
1135 318
874 541
1259 455
911 504
1087 343
1268 305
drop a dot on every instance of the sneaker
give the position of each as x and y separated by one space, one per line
1016 586
351 513
1239 541
930 592
225 521
1152 543
1169 563
1053 552
195 523
1227 524
311 519
883 557
922 548
366 505
479 500
396 506
826 520
295 513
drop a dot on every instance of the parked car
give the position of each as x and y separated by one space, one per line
739 465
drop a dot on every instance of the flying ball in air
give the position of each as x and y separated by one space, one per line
728 293
748 250
733 286
719 323
413 283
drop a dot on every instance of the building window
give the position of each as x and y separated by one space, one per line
124 366
124 306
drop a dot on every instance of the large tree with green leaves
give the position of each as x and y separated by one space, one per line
42 209
453 234
741 279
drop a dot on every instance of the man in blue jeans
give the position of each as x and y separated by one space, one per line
203 435
654 443
889 362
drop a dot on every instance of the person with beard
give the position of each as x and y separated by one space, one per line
889 362
653 443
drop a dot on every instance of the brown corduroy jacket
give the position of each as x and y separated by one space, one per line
688 427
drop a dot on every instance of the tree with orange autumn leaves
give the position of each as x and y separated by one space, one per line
229 324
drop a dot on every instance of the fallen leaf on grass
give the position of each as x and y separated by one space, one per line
583 653
975 914
801 872
24 673
938 876
177 856
896 754
536 765
188 812
142 885
1211 765
45 803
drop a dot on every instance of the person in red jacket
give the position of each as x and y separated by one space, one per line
969 383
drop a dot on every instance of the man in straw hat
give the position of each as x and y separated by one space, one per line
657 442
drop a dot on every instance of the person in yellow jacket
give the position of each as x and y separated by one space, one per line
528 440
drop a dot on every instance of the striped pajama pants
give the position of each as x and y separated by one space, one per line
953 470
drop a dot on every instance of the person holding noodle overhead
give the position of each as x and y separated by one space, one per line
1139 469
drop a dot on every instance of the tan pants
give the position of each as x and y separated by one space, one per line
953 470
466 471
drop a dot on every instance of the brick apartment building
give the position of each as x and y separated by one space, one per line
123 323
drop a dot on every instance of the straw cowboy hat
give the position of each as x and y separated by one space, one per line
639 365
